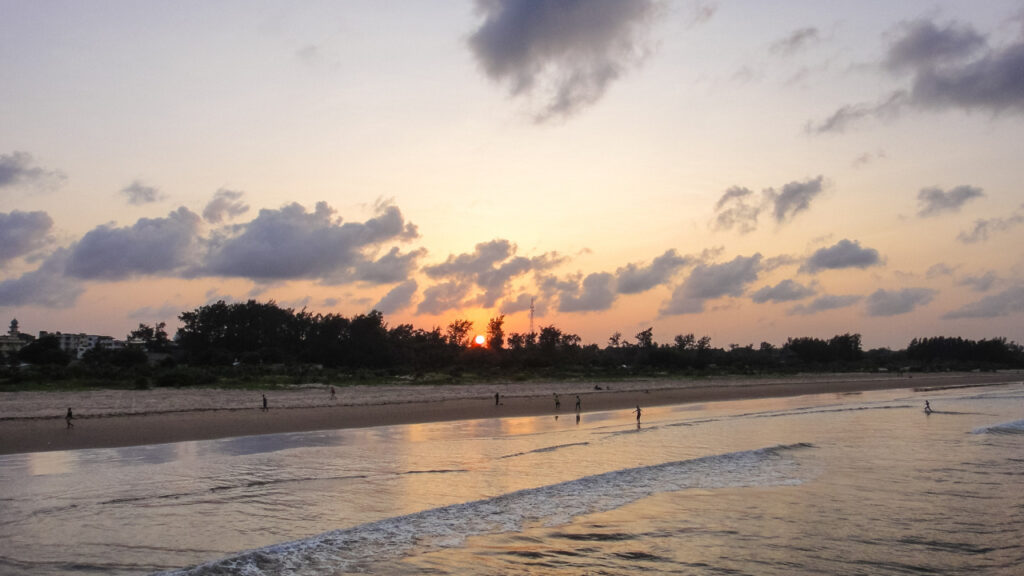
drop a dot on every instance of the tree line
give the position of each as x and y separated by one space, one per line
257 336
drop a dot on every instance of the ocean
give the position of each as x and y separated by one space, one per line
863 483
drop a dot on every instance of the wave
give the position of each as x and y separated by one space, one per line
553 505
1015 427
545 449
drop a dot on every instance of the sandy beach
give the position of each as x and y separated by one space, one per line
34 421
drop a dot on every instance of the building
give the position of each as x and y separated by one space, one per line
77 345
14 340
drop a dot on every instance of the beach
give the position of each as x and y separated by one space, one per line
34 421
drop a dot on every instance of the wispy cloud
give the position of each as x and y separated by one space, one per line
843 254
20 169
934 201
895 302
22 233
139 194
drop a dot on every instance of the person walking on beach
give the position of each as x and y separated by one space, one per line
558 403
927 407
68 419
577 403
497 398
637 413
332 392
265 403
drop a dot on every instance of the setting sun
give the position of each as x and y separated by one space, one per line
479 340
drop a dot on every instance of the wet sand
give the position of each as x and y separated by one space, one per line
34 421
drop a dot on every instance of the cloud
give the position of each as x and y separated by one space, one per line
738 208
22 233
933 201
389 268
517 304
701 12
985 227
1005 303
796 41
492 266
150 246
940 269
950 67
18 168
893 303
139 194
45 286
843 254
291 243
981 283
736 211
868 158
710 281
794 198
634 279
566 53
225 205
785 291
824 303
398 298
443 297
596 293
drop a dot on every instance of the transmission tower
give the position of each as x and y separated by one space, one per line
531 315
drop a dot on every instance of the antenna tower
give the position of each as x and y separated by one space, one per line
531 315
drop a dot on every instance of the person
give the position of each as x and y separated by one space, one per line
577 403
68 418
332 392
927 407
637 413
265 403
497 398
558 403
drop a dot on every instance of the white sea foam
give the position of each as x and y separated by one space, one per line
1015 427
556 504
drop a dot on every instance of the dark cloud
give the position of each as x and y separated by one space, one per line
949 67
794 198
785 291
922 44
225 205
565 53
518 304
390 268
138 194
150 246
45 286
19 168
981 283
796 41
710 281
634 278
398 298
895 302
985 227
739 209
443 297
934 201
597 292
292 243
492 266
824 303
22 233
843 254
736 209
1005 303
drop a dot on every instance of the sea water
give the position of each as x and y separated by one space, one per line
841 484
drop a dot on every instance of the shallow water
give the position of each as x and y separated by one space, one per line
853 484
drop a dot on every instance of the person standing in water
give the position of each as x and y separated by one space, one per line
68 419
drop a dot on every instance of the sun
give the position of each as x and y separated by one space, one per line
479 340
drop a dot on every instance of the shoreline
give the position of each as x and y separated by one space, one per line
34 421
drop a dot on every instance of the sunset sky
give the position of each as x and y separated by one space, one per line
750 171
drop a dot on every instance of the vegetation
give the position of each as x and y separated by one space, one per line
261 344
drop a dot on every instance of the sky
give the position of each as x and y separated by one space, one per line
750 171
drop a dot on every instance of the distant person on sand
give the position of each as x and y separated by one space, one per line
577 403
927 407
265 403
558 403
332 392
497 398
637 413
68 419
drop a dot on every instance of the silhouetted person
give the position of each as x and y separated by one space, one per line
332 392
68 418
497 398
577 403
637 413
558 403
927 407
265 403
